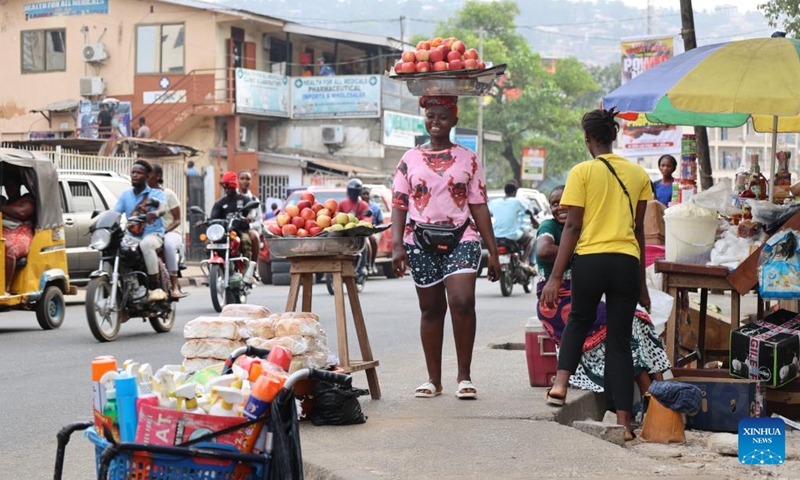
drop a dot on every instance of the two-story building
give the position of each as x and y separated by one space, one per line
242 87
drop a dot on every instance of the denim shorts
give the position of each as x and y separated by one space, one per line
428 269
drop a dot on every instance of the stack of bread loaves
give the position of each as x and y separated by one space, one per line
211 340
300 332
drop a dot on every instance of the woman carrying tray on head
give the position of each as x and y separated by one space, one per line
440 187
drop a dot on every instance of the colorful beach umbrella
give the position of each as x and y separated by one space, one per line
721 85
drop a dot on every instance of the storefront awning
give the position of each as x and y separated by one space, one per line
59 106
343 168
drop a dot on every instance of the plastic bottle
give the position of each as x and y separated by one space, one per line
110 409
146 394
229 398
263 392
127 391
100 366
676 195
187 395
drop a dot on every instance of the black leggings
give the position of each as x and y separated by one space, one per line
617 276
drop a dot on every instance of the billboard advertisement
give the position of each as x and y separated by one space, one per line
401 129
261 93
65 8
352 96
641 137
532 165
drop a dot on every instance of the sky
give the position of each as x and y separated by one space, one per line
743 5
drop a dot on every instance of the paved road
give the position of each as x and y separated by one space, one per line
47 382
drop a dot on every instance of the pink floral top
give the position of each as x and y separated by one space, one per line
437 187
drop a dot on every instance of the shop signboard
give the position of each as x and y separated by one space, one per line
262 93
641 137
467 141
400 129
65 8
87 119
532 165
352 96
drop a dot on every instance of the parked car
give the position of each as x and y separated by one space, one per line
279 267
82 192
540 206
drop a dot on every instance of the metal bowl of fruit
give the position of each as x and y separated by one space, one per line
282 247
451 82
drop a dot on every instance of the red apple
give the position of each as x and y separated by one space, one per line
302 232
453 55
458 46
274 229
331 205
289 229
436 55
435 42
470 64
439 66
324 213
481 65
308 214
298 222
408 67
423 67
303 204
292 210
310 224
448 41
423 55
423 45
308 196
283 219
397 66
445 49
408 56
456 65
324 221
471 53
317 207
314 231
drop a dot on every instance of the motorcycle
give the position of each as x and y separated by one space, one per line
226 267
117 290
361 271
512 269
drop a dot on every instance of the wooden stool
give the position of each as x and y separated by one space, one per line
304 269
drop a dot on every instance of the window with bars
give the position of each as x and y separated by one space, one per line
44 51
272 186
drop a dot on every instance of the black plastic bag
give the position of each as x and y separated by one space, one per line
337 405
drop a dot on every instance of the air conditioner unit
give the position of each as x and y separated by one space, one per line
94 52
92 86
332 134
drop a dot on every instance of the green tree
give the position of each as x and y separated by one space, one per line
784 13
528 107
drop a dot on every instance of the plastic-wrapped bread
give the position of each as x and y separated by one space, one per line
214 327
192 365
297 344
259 328
244 310
306 324
220 348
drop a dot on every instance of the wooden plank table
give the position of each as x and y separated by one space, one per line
681 277
303 272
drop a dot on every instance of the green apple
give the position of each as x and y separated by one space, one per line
336 227
351 218
350 225
342 218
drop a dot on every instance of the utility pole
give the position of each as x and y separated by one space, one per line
650 15
480 103
690 42
402 32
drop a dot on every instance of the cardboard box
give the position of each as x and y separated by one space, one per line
162 426
725 400
654 228
768 350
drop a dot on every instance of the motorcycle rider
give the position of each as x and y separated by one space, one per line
376 219
172 223
358 207
507 213
229 204
136 201
254 216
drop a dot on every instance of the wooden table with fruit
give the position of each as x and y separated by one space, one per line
317 238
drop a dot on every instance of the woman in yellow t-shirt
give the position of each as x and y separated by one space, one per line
604 238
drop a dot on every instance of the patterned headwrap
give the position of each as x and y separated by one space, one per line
449 102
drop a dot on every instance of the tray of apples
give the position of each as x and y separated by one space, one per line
445 67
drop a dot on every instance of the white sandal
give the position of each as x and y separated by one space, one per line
427 390
465 385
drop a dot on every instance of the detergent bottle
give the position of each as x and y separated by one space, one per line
187 398
264 390
229 400
100 366
146 394
127 391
